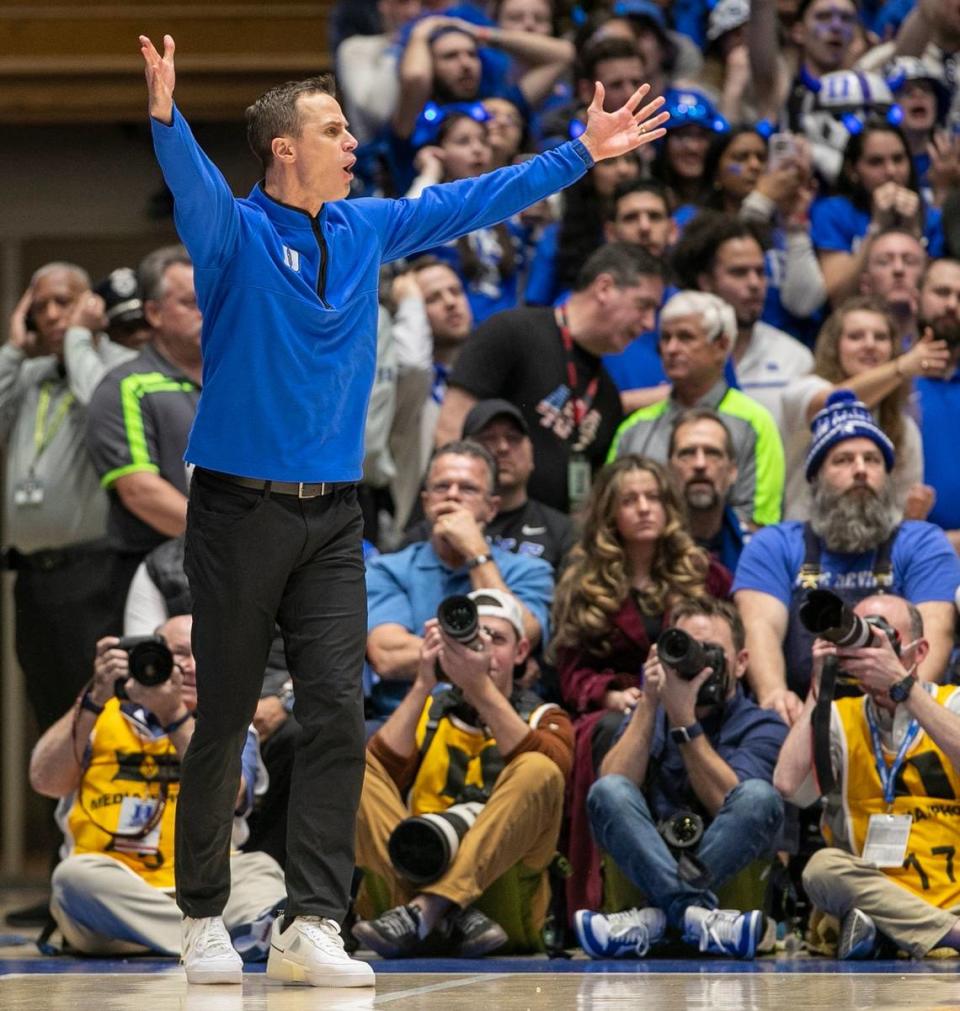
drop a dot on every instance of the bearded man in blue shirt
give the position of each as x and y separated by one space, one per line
287 283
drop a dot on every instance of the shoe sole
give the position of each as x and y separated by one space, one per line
285 970
209 977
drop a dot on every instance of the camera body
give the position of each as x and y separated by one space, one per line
150 661
686 657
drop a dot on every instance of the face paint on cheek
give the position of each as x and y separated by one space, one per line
836 23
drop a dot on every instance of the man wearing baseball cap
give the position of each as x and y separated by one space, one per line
854 544
522 524
480 740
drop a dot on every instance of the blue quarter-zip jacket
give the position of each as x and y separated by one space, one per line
289 302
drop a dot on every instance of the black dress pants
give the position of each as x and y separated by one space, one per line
254 558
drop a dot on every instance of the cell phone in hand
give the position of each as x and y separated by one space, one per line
782 149
30 321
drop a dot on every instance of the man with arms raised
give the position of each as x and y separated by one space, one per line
287 283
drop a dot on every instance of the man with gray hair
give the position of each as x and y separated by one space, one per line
141 414
853 545
54 510
697 332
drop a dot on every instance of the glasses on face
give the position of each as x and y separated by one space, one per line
441 489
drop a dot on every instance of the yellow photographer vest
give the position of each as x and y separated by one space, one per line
927 788
458 761
126 802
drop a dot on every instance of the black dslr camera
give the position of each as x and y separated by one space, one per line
150 660
825 615
687 657
458 618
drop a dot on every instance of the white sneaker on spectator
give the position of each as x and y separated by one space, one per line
208 956
619 935
724 931
310 950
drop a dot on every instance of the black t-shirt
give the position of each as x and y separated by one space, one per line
534 529
518 355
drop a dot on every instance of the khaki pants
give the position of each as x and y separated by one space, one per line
104 908
837 881
519 824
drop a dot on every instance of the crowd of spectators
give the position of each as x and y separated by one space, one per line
711 376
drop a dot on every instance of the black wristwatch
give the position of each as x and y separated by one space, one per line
684 735
898 692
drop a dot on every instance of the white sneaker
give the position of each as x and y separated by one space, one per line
310 950
724 931
208 956
619 935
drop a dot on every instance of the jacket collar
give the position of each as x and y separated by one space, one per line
280 213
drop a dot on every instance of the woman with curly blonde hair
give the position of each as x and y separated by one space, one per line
858 349
635 559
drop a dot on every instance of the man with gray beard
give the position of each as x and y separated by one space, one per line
938 395
853 544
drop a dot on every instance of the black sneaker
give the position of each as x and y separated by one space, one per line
473 934
394 934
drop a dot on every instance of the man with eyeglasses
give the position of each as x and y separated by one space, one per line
405 588
114 761
890 821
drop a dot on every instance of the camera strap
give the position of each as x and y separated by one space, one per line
820 726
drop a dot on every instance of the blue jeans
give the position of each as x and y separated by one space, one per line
743 829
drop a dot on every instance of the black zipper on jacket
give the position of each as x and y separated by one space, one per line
322 273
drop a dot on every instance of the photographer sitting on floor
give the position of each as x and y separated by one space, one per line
891 813
114 759
481 749
694 751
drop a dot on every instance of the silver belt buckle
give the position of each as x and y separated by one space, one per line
323 490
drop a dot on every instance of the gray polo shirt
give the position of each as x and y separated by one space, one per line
43 422
138 422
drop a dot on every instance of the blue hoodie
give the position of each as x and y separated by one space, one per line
289 302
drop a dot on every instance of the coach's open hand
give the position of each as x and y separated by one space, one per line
610 134
161 78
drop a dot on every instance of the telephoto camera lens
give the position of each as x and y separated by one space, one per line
458 618
422 847
825 615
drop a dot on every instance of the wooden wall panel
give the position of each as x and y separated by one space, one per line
72 62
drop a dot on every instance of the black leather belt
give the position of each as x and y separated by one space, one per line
301 489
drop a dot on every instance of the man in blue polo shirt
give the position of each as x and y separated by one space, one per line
405 588
939 396
287 282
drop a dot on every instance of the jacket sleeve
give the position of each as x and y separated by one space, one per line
585 679
401 769
551 734
204 209
445 212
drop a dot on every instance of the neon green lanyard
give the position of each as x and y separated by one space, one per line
42 434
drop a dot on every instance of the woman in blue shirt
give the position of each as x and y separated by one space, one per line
876 189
